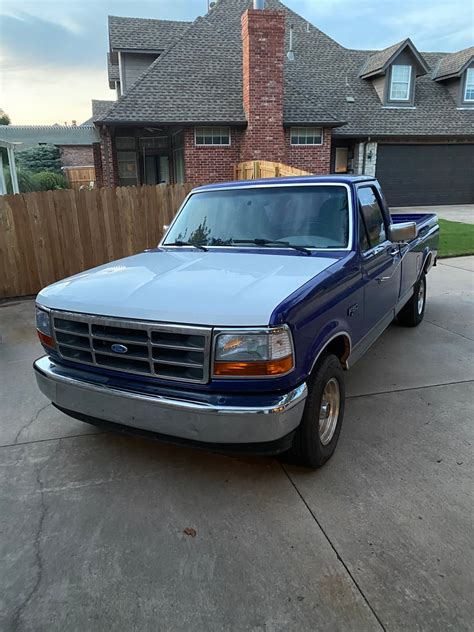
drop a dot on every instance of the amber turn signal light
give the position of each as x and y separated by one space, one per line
45 340
254 369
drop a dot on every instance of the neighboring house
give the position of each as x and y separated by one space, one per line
242 84
74 142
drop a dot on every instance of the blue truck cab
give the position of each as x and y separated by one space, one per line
235 331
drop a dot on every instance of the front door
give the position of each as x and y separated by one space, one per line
381 262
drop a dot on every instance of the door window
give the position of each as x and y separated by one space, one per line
372 216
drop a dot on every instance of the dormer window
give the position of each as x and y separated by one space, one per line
400 83
393 72
469 86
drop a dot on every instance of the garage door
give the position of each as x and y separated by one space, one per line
426 174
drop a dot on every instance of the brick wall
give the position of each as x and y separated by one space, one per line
108 159
76 155
263 50
99 174
313 158
211 164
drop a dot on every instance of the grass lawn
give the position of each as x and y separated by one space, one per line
455 239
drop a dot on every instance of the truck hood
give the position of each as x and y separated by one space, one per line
192 287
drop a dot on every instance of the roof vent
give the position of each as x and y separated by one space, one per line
350 99
259 5
291 54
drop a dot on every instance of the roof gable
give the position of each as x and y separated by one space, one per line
378 62
454 64
199 78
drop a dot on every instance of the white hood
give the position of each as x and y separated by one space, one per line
191 287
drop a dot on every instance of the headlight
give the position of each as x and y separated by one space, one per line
253 353
43 327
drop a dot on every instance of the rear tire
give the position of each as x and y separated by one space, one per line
317 436
412 313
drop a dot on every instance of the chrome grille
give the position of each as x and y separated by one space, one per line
173 352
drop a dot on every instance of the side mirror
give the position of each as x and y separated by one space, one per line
405 231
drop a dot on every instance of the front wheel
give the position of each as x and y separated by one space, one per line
316 438
412 313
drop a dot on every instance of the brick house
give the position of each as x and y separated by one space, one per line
194 99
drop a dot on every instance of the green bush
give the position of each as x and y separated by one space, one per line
28 181
49 181
25 180
38 159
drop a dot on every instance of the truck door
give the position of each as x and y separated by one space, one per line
380 261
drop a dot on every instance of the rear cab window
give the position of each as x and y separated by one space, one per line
372 229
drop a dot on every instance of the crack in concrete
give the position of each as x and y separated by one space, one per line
336 552
30 422
409 388
450 330
38 558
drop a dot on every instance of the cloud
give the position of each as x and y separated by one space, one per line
52 95
433 25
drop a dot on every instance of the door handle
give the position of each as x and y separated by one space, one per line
382 279
393 251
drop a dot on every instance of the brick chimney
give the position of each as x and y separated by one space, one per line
263 48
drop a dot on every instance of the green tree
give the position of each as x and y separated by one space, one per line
38 159
4 118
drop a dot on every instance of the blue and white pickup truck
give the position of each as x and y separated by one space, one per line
236 330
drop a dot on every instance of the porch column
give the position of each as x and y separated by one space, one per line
14 177
109 162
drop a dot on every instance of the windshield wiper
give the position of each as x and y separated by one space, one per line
187 243
271 242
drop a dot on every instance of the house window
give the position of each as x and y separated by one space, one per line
400 83
469 87
127 168
212 135
306 136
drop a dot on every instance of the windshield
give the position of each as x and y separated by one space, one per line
310 216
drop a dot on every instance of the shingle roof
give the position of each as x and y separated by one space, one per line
100 107
199 79
379 61
209 86
50 134
143 34
453 64
112 69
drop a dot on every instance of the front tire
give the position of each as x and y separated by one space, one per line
317 436
412 313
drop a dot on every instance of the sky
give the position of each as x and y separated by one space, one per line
53 52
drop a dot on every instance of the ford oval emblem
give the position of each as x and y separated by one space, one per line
119 348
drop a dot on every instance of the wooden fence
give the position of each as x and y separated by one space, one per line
79 176
253 169
46 236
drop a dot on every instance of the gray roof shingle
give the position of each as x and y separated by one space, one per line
199 79
143 34
453 64
100 107
112 68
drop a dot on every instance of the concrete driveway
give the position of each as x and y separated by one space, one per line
92 524
454 212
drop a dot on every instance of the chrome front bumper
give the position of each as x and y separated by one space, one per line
73 390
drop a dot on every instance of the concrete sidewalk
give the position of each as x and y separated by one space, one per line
92 524
454 212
